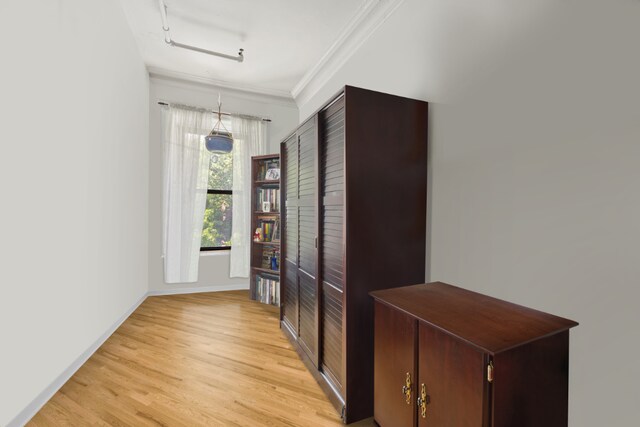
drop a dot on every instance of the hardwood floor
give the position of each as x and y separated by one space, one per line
211 359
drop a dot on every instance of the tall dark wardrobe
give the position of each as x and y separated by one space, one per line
354 203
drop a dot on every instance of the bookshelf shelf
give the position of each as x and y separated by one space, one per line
267 271
267 243
264 280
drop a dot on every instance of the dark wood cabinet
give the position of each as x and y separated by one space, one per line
354 197
448 357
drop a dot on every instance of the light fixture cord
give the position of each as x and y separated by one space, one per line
220 116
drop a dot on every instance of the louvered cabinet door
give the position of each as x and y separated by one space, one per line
290 290
307 242
332 240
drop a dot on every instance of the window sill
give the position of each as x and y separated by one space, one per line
223 252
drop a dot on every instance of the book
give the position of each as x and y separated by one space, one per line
267 290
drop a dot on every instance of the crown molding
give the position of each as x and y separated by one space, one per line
370 15
215 90
358 19
158 72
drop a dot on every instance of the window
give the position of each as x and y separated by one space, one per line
216 229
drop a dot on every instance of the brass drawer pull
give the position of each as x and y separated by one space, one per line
423 401
406 389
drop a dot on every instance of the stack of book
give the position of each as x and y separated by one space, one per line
269 227
271 195
267 290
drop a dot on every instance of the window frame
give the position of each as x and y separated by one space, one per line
216 248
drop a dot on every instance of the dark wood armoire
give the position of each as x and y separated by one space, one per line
354 189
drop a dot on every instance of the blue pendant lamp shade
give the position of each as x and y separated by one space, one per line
219 140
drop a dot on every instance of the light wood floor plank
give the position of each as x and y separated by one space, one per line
212 359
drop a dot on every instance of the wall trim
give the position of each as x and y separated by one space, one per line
198 289
363 25
36 404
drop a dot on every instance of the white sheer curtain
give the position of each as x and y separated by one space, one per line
249 139
186 167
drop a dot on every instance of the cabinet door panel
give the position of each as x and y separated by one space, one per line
290 174
453 374
290 297
394 351
289 274
291 233
308 326
307 158
332 192
307 244
332 335
307 239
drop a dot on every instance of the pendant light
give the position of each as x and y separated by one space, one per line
219 140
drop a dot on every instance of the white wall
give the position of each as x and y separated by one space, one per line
534 165
214 266
74 186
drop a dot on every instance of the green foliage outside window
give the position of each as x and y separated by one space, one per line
216 229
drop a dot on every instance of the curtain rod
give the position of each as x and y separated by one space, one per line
246 116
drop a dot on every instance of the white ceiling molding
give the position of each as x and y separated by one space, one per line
370 16
358 19
225 91
185 77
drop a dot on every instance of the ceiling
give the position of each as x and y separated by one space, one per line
282 39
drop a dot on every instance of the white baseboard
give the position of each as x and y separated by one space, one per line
198 289
27 413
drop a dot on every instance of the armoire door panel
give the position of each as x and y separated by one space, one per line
334 163
333 245
291 234
332 187
308 327
453 373
307 159
307 239
291 168
307 243
332 160
332 250
290 297
289 266
394 350
332 334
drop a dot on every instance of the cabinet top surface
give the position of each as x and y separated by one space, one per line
491 324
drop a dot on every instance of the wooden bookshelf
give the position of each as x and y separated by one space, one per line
264 279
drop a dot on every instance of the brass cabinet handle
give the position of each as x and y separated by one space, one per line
406 389
423 400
